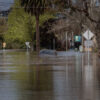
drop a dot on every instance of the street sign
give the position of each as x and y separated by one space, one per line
88 35
27 44
78 38
88 43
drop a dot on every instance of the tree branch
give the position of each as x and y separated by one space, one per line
84 10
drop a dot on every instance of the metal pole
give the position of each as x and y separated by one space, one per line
54 44
88 49
82 41
27 48
66 41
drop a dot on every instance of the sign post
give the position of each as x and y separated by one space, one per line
88 36
66 41
27 45
54 44
88 49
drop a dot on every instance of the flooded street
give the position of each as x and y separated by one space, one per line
23 76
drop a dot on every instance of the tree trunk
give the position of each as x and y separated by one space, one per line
37 35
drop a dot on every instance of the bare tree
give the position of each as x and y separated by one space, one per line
80 15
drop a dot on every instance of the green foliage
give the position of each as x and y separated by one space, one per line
21 27
34 7
3 28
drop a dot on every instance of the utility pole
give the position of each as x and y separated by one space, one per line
66 41
54 44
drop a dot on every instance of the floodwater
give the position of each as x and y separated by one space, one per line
23 76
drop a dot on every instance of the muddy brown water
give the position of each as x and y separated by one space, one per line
23 76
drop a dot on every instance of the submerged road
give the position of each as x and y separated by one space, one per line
23 76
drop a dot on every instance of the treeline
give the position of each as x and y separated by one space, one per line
76 16
22 27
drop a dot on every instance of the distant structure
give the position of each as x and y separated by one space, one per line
4 14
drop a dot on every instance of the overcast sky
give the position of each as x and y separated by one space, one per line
5 4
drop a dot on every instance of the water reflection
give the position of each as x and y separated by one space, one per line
25 77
